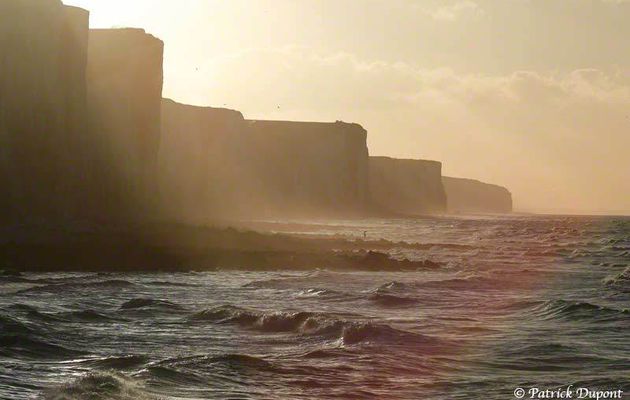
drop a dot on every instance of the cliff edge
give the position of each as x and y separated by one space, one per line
411 187
43 50
124 81
472 196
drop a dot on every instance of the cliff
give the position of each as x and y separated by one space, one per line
199 160
471 196
309 168
214 164
412 187
124 78
43 47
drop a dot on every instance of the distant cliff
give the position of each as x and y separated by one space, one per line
124 78
471 196
309 168
412 187
43 48
200 161
215 164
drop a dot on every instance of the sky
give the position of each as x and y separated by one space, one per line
533 95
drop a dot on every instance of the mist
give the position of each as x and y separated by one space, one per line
544 112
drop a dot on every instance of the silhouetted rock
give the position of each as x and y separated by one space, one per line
43 47
471 196
411 187
184 248
124 79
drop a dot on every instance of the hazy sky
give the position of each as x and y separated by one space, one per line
530 94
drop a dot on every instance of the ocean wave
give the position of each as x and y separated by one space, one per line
539 351
146 302
80 286
100 386
19 339
290 281
171 375
619 282
86 316
322 353
520 305
563 309
470 282
393 285
267 322
5 273
200 369
34 315
391 300
355 333
68 278
390 294
12 326
170 283
274 283
117 362
30 346
13 277
235 359
327 326
322 293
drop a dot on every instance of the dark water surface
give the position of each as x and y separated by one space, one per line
518 302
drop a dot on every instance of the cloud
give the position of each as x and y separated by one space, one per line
454 11
339 79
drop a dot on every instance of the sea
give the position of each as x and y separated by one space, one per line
518 306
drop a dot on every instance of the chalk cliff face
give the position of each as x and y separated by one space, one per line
43 48
472 196
199 161
214 164
124 78
412 187
309 168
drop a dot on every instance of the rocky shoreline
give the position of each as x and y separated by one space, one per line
183 248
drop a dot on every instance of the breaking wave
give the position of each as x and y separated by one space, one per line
574 310
324 293
620 282
100 386
327 326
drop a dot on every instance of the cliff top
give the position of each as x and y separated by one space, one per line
40 4
474 182
405 160
76 10
123 32
173 103
296 124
